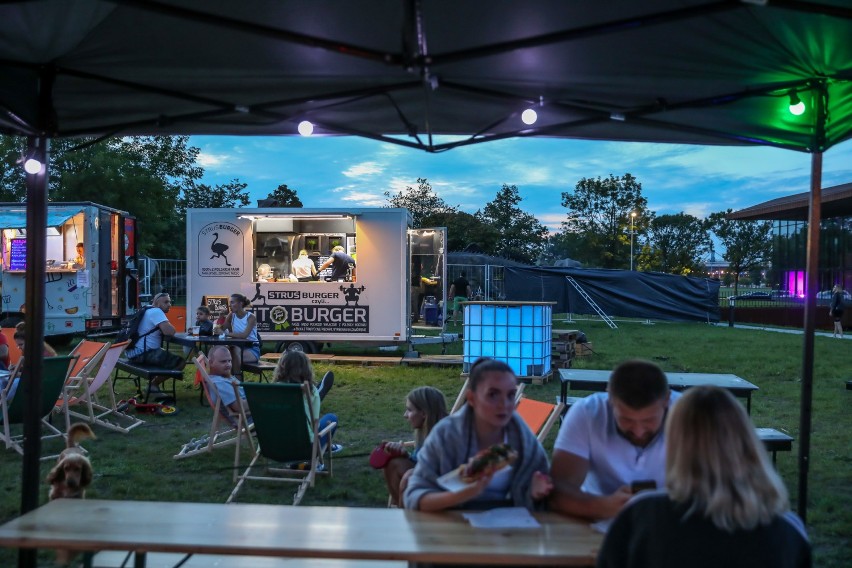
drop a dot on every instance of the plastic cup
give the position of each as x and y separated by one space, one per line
195 329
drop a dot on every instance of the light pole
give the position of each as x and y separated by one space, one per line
632 217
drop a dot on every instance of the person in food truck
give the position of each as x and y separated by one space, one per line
80 260
339 262
304 268
147 351
242 324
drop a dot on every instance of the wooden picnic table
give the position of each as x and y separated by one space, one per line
303 532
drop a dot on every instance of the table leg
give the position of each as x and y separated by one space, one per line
140 559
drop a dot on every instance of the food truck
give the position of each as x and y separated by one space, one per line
88 288
252 252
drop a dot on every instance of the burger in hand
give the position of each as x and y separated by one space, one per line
486 462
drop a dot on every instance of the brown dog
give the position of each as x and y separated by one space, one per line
72 474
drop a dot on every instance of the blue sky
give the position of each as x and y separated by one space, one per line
335 171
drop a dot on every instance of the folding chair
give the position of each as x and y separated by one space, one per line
539 416
234 422
89 354
54 375
14 353
461 398
82 391
284 436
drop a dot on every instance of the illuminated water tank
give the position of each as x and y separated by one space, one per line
517 333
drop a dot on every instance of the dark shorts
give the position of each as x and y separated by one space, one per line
837 314
159 358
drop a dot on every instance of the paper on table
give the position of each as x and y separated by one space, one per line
503 518
602 526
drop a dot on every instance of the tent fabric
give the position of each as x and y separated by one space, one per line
56 216
619 293
682 71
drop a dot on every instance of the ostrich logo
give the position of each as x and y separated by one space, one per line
219 249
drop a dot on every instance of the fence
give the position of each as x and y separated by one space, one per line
486 280
162 275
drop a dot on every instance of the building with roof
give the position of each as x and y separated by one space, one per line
789 229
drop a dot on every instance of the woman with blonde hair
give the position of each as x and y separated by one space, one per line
723 505
424 407
242 324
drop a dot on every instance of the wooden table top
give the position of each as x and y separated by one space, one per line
306 532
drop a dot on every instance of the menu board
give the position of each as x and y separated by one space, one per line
18 255
217 304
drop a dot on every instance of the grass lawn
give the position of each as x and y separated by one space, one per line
370 401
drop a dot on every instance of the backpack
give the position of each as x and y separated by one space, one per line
130 332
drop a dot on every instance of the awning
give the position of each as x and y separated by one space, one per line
17 218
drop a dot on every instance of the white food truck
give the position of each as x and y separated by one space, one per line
88 289
251 251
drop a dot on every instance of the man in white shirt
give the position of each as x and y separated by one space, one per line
611 441
148 351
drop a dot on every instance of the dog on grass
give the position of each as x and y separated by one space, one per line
72 473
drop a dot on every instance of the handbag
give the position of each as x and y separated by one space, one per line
380 456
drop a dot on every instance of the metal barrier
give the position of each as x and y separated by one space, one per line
161 274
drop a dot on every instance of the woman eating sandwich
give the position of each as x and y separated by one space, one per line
483 456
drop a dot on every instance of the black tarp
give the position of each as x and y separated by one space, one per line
619 293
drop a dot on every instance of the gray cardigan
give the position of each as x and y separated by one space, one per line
451 443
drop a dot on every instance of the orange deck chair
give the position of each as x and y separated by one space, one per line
539 416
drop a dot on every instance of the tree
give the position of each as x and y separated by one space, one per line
283 196
143 175
599 213
676 243
231 194
422 202
520 235
747 243
463 230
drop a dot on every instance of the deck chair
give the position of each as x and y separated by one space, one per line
461 398
539 416
280 408
89 354
95 398
226 427
14 353
54 375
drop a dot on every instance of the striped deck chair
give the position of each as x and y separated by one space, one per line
285 437
226 426
54 375
95 398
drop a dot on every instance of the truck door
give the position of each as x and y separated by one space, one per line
428 274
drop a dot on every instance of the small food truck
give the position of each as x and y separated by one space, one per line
88 288
370 300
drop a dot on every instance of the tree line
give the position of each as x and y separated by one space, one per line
157 178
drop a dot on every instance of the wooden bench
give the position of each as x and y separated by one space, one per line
775 441
259 368
136 373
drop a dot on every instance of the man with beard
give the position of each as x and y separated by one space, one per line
611 443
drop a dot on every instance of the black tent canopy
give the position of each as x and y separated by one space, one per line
689 71
692 71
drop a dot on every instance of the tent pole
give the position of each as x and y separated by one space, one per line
37 147
811 289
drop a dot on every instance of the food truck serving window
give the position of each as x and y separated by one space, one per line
279 241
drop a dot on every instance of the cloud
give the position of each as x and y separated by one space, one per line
209 160
364 169
364 198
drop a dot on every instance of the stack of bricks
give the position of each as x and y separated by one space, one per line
563 349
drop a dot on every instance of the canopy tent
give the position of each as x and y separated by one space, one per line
17 219
692 71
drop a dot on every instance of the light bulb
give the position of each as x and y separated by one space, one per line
529 116
32 166
797 109
306 128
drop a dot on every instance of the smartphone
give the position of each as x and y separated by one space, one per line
643 485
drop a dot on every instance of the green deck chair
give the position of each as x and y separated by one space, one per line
55 373
278 410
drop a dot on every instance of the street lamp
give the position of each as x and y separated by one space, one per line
632 217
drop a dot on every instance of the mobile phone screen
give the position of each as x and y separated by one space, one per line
643 485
